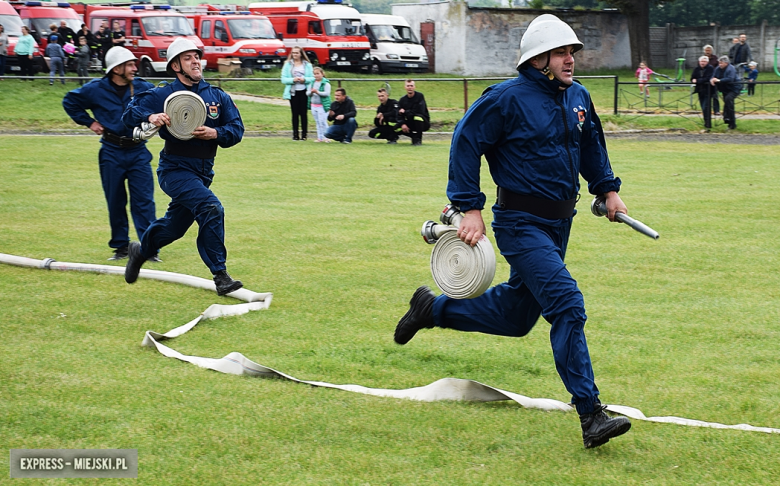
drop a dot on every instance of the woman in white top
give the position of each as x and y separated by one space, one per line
297 77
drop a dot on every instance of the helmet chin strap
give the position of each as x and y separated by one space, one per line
184 73
546 69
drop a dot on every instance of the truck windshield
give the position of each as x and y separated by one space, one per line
393 33
12 25
405 34
249 28
167 26
42 24
343 27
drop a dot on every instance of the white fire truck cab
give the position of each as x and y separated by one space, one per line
329 32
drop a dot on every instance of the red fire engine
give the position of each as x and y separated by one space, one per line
240 35
329 32
149 30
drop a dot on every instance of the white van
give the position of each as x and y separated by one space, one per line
394 47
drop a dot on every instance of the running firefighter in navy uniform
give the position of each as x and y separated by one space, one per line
538 133
186 168
121 159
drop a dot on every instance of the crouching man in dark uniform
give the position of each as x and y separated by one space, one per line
120 158
185 170
385 119
537 133
413 114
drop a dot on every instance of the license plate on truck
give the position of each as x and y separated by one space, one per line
343 63
411 65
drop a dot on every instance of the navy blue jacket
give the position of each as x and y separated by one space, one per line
536 140
100 97
728 79
221 115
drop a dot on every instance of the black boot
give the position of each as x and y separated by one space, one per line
134 262
420 315
598 427
225 284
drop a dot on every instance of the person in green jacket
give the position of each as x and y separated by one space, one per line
319 103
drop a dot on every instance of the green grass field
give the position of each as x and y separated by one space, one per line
683 326
43 103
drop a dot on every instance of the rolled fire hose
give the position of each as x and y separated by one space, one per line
461 271
237 364
187 111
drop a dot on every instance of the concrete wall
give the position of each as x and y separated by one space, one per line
690 41
486 41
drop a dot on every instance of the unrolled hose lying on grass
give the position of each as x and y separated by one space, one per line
238 364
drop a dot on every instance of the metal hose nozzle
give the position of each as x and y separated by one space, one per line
599 208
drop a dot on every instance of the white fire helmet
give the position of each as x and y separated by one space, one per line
545 33
117 56
179 46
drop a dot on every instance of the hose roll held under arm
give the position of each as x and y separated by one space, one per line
460 270
187 112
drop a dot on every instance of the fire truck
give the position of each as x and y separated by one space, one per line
12 24
149 30
240 35
329 32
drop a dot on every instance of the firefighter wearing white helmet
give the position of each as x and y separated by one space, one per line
538 132
186 168
122 160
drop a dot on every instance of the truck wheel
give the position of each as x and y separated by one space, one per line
376 68
313 58
146 69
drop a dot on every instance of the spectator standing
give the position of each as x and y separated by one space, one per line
732 50
56 59
117 35
385 123
713 61
742 51
342 113
752 76
65 34
103 37
120 159
24 50
701 80
84 57
297 77
52 32
319 103
92 42
3 49
413 113
523 127
186 168
725 76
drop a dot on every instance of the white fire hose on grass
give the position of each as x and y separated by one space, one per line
237 364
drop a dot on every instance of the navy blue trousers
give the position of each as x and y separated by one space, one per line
539 284
191 200
134 166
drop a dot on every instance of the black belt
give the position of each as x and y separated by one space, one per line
191 150
544 208
122 142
